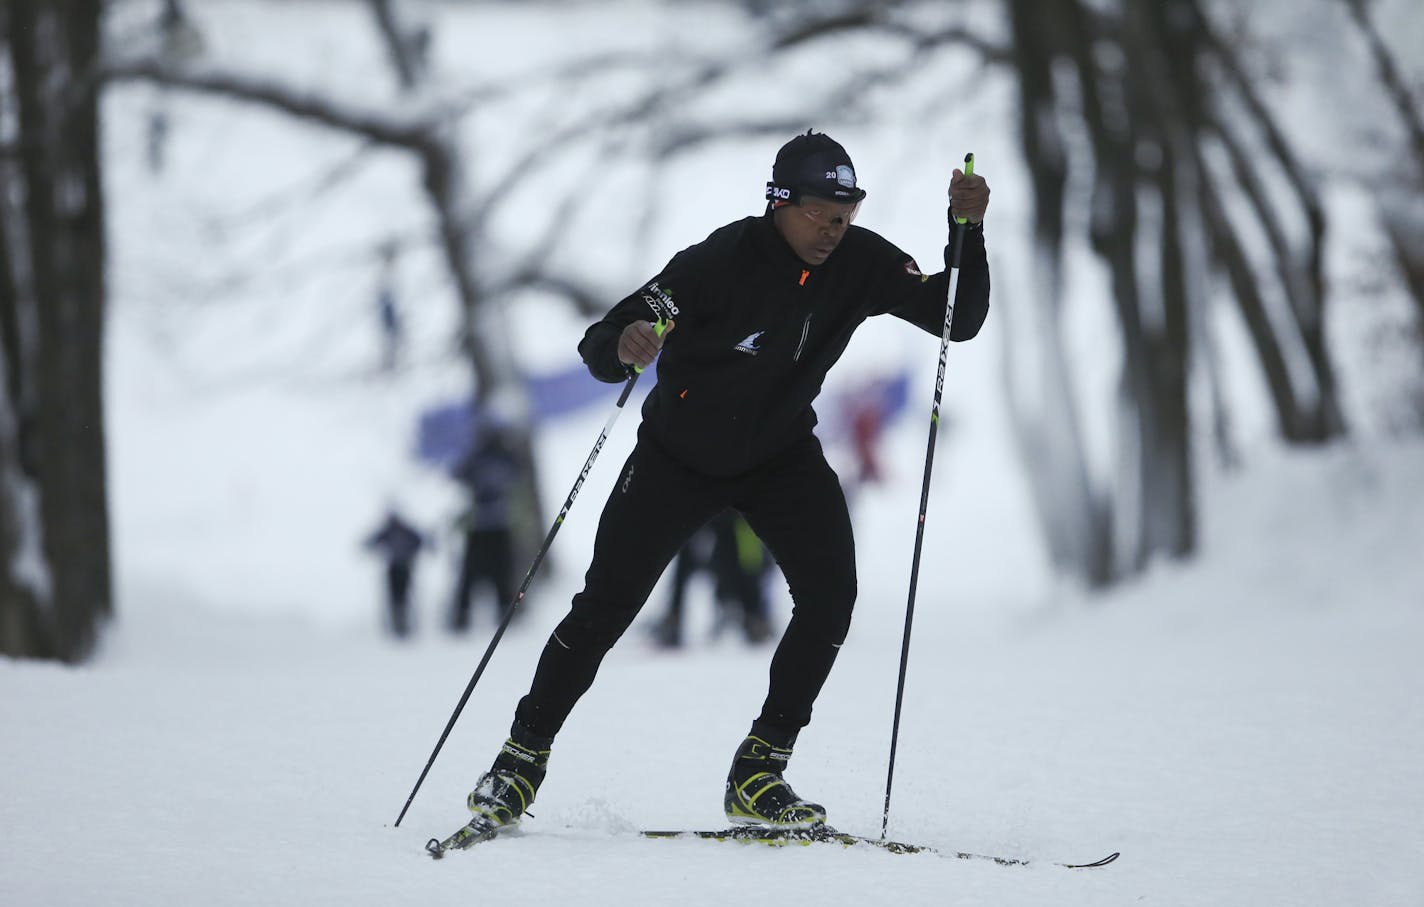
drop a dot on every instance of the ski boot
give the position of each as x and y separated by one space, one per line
757 794
507 790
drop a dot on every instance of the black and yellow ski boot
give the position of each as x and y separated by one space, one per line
507 790
757 794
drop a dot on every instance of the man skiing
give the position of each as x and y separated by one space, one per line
756 314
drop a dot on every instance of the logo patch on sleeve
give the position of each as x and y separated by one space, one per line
660 301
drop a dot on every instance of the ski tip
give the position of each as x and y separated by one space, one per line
1096 863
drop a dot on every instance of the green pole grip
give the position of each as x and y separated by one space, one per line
968 171
658 327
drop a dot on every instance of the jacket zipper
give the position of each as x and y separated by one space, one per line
805 330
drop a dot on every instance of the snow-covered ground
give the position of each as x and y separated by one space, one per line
1246 728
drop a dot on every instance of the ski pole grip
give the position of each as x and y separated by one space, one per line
968 171
658 327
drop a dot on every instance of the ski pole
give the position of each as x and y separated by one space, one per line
955 252
660 326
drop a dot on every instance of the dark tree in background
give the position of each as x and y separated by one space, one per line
54 542
1181 154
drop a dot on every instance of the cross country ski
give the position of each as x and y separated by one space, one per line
825 834
477 833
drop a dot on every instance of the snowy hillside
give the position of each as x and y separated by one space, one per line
1246 728
1246 731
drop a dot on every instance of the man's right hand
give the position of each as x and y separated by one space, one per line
639 343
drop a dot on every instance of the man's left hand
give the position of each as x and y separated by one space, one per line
969 196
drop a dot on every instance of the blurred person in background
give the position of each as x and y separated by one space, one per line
388 310
866 424
179 44
740 563
730 552
399 544
864 417
488 473
755 316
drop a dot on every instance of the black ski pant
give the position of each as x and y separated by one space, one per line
795 505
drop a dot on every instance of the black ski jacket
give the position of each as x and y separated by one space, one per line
757 330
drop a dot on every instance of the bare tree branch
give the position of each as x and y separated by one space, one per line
405 130
1394 82
405 43
880 17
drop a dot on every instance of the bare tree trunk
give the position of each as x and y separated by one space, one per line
1403 217
1110 114
25 587
1403 220
1170 40
1077 525
1309 413
55 405
1140 125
